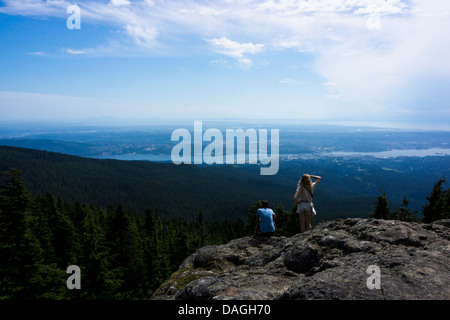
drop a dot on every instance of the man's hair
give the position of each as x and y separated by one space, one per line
265 204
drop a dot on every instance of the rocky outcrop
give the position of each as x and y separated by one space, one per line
334 260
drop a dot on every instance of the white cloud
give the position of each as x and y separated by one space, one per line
143 35
393 65
292 82
120 2
275 24
76 51
36 53
236 50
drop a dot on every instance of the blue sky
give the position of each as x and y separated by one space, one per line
348 60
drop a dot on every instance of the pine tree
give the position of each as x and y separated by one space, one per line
280 221
127 249
42 229
251 218
22 267
446 214
57 232
178 247
202 230
160 265
293 221
381 207
99 279
435 208
286 222
403 213
151 258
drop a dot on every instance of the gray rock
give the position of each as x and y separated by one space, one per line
330 261
302 257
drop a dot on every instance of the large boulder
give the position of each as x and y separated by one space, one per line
334 260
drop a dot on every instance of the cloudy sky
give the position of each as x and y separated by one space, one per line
361 60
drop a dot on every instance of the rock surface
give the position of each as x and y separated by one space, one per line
330 261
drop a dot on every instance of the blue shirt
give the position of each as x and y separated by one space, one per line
266 219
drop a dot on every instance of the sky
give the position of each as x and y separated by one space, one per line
336 60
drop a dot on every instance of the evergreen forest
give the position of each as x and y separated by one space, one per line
121 254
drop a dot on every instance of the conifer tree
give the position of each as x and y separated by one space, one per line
286 222
381 207
127 250
435 208
56 224
22 267
42 229
150 251
251 218
99 279
202 230
403 213
161 265
281 221
446 214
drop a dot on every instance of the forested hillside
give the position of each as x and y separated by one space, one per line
220 192
172 191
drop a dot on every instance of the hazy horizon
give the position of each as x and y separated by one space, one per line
136 122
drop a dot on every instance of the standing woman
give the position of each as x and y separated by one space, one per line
305 209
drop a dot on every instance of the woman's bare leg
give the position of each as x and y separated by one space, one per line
302 222
308 221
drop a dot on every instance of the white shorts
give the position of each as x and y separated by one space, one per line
304 206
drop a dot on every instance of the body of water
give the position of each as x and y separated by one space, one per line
395 153
137 156
382 154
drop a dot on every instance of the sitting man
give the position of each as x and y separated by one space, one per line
265 220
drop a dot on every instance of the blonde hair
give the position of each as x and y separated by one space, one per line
305 182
